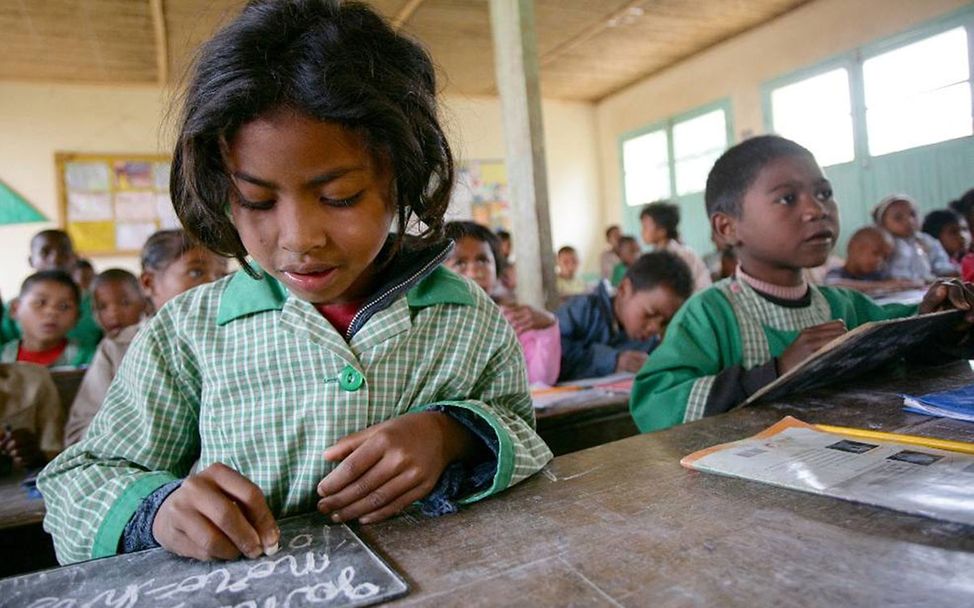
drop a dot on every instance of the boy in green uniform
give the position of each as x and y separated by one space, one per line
768 198
53 250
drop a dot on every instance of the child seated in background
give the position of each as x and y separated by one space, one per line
951 229
171 264
477 256
610 256
53 250
865 266
628 252
31 416
119 302
83 273
916 255
768 197
964 206
46 310
661 221
569 284
722 261
602 334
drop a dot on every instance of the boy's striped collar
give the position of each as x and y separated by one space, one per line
428 284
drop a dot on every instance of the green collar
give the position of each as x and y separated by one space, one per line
245 295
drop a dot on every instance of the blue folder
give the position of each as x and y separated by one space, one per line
956 403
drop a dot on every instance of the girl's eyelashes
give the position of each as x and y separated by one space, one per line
332 202
254 205
342 202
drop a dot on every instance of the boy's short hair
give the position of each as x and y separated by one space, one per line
503 235
626 239
651 270
611 229
51 276
83 263
965 204
567 249
738 167
116 275
52 233
664 214
936 221
457 230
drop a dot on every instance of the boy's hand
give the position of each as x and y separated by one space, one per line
216 514
387 467
631 361
524 318
21 446
808 342
950 294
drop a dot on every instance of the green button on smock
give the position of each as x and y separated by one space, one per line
350 379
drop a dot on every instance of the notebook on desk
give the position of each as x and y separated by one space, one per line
857 351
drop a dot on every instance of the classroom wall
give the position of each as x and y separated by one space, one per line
477 132
37 120
737 68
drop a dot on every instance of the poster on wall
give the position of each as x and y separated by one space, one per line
111 203
481 187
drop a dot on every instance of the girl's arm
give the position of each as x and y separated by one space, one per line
390 465
144 436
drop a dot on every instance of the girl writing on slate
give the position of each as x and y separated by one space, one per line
768 198
342 369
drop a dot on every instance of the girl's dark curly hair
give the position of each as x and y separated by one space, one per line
334 61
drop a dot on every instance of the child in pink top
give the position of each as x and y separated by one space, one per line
477 257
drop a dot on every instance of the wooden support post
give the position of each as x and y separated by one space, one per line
516 65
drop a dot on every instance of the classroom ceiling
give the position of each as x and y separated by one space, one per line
587 49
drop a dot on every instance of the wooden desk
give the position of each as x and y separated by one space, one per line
24 546
623 524
580 425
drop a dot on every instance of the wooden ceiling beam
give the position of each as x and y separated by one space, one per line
162 42
405 13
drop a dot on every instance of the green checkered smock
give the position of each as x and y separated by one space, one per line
243 373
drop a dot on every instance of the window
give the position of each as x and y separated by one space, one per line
697 143
817 113
646 168
650 173
918 94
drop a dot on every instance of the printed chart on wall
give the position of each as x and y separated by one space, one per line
111 203
482 184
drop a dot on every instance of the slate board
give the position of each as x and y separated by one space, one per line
858 351
320 564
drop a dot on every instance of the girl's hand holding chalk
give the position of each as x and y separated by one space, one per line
387 467
217 514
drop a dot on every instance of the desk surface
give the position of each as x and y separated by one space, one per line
584 423
623 524
16 508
